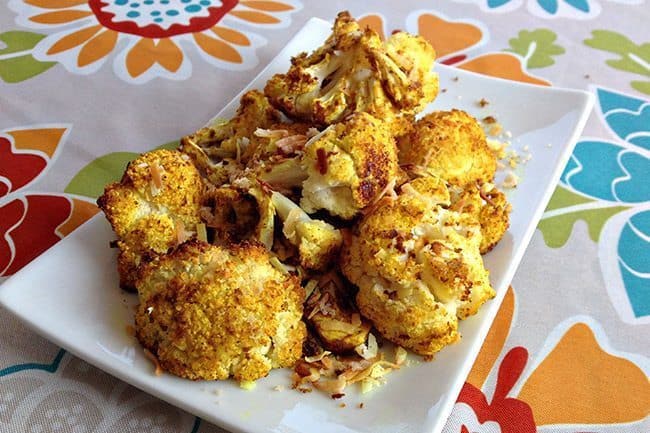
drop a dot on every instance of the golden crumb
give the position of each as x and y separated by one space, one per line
496 129
497 147
511 180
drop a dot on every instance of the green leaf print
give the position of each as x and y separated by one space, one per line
562 198
91 180
537 47
642 86
567 207
16 61
633 57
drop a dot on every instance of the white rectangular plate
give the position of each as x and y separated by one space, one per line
86 313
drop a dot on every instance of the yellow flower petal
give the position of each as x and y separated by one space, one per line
232 36
97 48
269 6
217 49
255 17
73 39
55 4
60 17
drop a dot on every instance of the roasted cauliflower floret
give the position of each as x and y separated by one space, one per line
333 315
154 207
488 206
405 70
355 71
217 149
452 145
318 242
234 215
349 165
418 267
225 139
210 312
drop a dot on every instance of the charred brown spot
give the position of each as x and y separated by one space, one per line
367 190
437 247
311 347
302 368
399 243
321 161
376 165
391 295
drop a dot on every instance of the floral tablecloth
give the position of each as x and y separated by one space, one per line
86 85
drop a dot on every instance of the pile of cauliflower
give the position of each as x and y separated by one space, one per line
320 221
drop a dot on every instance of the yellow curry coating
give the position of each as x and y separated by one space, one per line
452 145
488 206
211 312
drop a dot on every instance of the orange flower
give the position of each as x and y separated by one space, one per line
152 30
